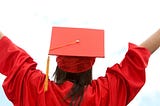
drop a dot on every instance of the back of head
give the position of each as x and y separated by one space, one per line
77 70
83 78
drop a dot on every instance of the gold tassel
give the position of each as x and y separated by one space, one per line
47 73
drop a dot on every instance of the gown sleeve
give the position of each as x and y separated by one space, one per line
127 78
20 71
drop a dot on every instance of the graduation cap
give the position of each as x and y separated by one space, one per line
79 42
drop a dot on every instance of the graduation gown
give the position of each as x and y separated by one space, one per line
24 84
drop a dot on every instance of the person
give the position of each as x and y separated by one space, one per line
73 85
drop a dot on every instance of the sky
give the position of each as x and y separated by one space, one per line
28 23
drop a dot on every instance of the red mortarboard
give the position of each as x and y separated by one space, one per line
76 48
77 42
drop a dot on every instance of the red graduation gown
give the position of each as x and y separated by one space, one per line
24 83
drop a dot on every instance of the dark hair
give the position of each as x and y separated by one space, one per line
80 80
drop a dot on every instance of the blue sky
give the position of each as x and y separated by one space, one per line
30 21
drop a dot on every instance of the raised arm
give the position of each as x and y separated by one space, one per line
153 42
1 35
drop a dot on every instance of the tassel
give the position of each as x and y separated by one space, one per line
47 73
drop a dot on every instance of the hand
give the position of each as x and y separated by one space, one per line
1 35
